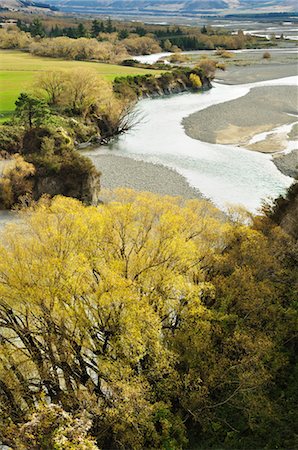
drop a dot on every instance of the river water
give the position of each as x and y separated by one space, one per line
223 173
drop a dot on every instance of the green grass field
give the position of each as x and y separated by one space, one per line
18 71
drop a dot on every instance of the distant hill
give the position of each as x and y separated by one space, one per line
171 7
158 7
27 5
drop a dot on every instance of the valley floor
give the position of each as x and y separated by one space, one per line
263 109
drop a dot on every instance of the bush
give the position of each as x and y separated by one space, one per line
224 53
220 66
195 81
16 182
208 67
266 55
128 62
52 427
178 58
11 138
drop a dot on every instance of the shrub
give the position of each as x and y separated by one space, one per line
195 81
223 53
128 62
11 138
16 182
208 67
178 58
220 66
266 55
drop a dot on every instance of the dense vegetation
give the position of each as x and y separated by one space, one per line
106 41
152 322
284 210
166 36
178 80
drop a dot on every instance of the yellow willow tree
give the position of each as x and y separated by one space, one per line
85 295
121 311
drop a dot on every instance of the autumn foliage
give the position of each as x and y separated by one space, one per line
159 319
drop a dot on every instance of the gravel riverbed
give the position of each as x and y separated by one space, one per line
237 121
119 171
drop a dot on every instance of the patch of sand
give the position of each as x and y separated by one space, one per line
274 142
236 135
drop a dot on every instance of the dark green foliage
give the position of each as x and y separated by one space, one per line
284 210
123 34
81 31
59 168
109 27
52 152
11 139
95 28
31 111
36 28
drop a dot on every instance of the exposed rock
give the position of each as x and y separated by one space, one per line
288 164
85 188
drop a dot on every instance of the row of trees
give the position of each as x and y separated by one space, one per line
137 39
108 49
185 39
37 28
154 320
83 48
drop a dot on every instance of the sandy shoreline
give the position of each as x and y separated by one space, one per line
119 171
237 121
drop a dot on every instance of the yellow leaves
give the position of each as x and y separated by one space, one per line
141 300
14 39
78 89
195 81
15 181
118 268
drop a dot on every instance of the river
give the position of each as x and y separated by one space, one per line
275 51
223 173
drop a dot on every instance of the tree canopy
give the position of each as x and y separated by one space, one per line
30 110
167 325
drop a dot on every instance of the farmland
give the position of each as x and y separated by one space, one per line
18 71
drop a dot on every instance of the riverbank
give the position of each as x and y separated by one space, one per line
253 73
236 122
119 171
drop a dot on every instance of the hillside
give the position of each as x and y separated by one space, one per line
170 7
156 7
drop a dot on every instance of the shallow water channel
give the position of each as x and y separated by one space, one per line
223 173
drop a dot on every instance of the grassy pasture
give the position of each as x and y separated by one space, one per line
18 71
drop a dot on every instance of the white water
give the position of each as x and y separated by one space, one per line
224 173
